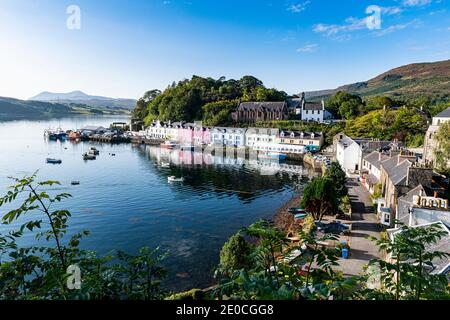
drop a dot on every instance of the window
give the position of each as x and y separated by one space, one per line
306 111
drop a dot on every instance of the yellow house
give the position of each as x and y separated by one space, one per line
313 139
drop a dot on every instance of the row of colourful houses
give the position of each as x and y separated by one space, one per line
262 139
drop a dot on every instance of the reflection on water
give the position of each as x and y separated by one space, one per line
127 202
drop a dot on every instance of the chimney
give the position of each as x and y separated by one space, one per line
435 194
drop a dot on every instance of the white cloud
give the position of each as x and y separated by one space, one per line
415 3
308 48
351 24
299 7
397 27
391 10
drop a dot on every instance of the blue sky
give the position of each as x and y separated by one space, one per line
124 48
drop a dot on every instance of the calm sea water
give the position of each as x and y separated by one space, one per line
127 203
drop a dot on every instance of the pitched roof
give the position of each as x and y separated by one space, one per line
396 168
374 158
313 106
262 106
441 264
444 114
405 202
298 135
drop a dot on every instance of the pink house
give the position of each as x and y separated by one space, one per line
186 133
202 135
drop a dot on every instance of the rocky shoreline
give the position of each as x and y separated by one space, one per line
284 220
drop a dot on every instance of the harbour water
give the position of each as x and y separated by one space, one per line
127 203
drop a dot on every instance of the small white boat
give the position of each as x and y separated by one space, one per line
94 151
165 165
88 156
174 179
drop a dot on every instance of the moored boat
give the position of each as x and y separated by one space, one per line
276 155
53 161
94 151
174 179
168 145
75 183
87 156
300 216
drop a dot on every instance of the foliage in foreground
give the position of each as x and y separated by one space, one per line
48 271
313 275
256 263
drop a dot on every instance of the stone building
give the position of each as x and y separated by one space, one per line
251 112
430 143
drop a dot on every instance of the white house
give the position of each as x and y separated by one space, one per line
348 153
157 130
430 143
258 136
222 136
311 111
371 169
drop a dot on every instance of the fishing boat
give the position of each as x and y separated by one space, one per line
94 151
174 179
168 145
74 135
53 161
276 155
87 156
58 134
75 183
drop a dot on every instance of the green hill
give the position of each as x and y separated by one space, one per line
419 80
12 109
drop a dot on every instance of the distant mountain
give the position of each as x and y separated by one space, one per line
419 79
13 109
79 97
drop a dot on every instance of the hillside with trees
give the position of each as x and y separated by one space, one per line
204 99
419 84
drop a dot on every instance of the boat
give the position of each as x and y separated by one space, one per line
277 155
296 210
168 145
53 161
87 156
300 216
74 135
75 183
174 179
58 134
94 151
187 147
165 165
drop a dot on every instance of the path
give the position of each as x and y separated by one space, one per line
364 224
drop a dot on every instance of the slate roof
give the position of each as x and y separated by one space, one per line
374 158
267 131
397 169
298 135
262 106
441 265
444 114
313 106
405 202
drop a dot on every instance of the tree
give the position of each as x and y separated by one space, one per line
407 274
345 105
234 255
338 177
320 198
141 110
442 149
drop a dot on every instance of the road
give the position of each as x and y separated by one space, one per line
364 224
